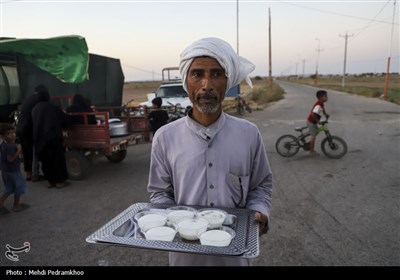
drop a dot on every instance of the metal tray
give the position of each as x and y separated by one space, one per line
124 231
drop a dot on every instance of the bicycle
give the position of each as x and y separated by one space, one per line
241 106
176 112
332 146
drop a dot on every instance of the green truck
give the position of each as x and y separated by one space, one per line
67 68
22 69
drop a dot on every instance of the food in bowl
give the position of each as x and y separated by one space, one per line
177 213
148 219
191 229
163 233
220 237
215 217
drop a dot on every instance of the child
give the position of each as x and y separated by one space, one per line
157 117
14 182
315 116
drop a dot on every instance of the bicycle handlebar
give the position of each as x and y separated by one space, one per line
325 121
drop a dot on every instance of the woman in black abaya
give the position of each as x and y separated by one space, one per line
48 124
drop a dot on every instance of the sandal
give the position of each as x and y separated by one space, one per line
22 207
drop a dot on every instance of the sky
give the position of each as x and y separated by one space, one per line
149 35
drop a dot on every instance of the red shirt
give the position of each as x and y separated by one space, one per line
317 110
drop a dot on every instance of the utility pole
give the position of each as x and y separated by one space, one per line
316 68
304 65
345 56
270 51
237 37
385 89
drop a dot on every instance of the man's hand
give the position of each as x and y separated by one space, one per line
263 223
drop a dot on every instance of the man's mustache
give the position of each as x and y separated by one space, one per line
207 95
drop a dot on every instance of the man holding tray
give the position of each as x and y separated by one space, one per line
210 158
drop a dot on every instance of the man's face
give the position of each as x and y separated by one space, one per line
206 84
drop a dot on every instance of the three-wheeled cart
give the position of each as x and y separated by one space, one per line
83 141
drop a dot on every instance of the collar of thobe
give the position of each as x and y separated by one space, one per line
206 133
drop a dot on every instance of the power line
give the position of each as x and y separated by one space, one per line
335 13
142 70
372 20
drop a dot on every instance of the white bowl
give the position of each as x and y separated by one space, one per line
163 233
215 217
191 229
220 237
148 219
177 213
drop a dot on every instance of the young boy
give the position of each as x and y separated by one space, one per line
14 182
315 116
157 116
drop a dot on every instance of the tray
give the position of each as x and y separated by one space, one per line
124 231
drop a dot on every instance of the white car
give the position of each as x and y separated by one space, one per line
172 94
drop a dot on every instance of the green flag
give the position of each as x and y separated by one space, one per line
65 57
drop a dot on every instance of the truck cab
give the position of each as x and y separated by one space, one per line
171 92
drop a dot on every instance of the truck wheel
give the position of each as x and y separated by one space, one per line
78 165
117 156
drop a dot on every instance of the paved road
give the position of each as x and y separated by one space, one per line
325 212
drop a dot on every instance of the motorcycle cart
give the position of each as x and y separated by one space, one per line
83 141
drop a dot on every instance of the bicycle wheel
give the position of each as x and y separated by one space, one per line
287 145
334 147
239 109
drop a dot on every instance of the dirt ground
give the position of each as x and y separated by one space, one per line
136 92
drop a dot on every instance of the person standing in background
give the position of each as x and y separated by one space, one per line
157 117
13 180
48 124
79 105
25 133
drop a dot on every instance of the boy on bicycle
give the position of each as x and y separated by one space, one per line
314 118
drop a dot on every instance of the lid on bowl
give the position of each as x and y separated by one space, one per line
219 237
163 233
147 219
160 231
193 224
215 235
150 215
181 207
212 214
151 218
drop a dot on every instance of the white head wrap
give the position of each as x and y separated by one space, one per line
237 68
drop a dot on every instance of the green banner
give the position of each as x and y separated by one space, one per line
65 57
